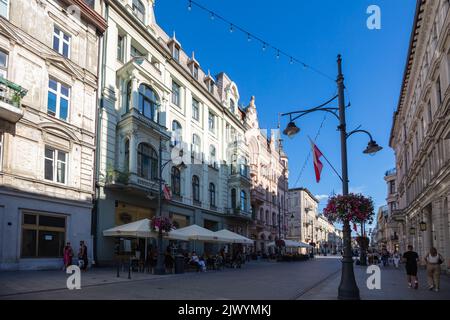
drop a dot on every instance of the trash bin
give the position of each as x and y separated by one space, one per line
179 264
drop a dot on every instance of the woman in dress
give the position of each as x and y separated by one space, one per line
68 254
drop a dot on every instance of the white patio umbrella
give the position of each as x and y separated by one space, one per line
236 238
136 229
292 244
196 233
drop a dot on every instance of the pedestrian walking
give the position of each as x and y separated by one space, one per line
68 254
411 258
82 256
433 261
396 259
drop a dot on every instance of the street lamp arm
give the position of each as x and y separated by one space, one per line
360 131
301 113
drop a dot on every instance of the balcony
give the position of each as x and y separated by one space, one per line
253 170
131 182
391 172
257 196
238 213
11 95
240 174
146 68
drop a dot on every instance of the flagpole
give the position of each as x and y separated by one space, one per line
332 167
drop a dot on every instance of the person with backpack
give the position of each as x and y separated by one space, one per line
433 261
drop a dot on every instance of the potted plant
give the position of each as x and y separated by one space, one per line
161 223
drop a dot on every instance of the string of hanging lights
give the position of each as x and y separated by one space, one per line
250 36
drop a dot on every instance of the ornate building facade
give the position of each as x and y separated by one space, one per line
420 134
48 96
269 188
160 109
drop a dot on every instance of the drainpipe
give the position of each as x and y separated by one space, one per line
98 120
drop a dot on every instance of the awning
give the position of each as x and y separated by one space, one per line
236 238
195 232
292 244
138 229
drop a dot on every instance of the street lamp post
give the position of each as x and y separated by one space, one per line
348 288
160 268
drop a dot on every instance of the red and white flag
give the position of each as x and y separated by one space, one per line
316 158
167 192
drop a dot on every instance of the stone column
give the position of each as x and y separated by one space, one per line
134 99
133 153
428 234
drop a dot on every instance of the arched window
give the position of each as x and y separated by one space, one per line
267 217
177 133
139 10
195 188
148 102
127 156
232 106
176 181
243 201
212 194
261 214
147 162
274 219
212 156
196 146
233 198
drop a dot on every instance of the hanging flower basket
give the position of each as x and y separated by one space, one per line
162 223
354 208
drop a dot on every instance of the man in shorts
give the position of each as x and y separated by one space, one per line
411 258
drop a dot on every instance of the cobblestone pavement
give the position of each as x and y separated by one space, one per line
317 279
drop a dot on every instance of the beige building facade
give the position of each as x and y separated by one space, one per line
48 95
420 134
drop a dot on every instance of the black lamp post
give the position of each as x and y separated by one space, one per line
348 288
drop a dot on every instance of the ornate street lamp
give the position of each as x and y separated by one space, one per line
348 288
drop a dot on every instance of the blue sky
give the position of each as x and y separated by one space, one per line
314 32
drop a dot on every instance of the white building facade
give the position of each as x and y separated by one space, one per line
420 134
156 102
48 96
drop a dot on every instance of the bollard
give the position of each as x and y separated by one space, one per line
129 270
118 269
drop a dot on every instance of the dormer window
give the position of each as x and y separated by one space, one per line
195 72
139 10
135 52
211 87
176 53
232 106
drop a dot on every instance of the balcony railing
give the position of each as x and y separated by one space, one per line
391 172
11 95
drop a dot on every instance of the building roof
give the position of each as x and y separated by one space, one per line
305 190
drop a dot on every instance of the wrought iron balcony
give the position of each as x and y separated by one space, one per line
11 95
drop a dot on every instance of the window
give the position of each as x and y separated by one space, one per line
212 194
121 48
195 72
176 53
1 150
195 110
61 42
176 181
243 201
274 219
430 114
392 187
58 100
243 168
147 162
232 105
175 93
195 188
43 236
127 156
176 133
212 156
438 91
233 198
4 8
211 87
139 10
55 166
211 122
148 102
135 52
3 63
196 146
